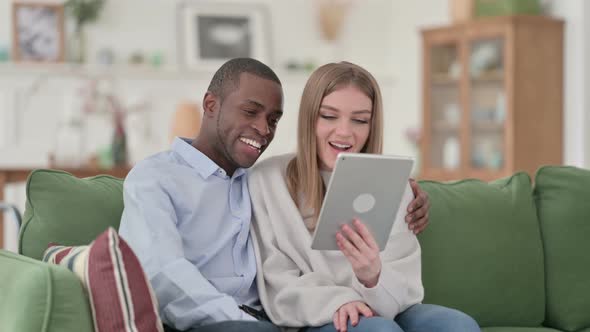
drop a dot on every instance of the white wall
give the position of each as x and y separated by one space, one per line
408 18
576 14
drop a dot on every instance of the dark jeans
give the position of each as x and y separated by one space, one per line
233 326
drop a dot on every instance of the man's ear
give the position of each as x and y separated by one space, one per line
210 104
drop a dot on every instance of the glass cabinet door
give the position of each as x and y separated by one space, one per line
487 99
445 107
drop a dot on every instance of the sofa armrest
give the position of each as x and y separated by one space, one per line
36 296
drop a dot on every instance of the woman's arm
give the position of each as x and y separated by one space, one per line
391 281
291 292
290 296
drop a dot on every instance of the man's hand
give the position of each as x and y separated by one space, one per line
350 310
417 217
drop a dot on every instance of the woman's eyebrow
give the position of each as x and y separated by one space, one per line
331 108
362 112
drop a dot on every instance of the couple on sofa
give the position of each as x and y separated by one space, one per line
188 213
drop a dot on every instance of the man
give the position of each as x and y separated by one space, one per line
187 210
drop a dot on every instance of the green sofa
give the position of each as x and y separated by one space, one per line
514 256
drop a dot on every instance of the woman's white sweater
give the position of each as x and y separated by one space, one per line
299 286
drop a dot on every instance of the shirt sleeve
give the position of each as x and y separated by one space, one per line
400 282
149 224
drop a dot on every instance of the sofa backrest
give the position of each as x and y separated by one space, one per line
562 196
64 209
482 251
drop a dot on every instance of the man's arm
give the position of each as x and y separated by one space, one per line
149 224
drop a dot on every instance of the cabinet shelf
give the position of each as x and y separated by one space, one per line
487 77
444 79
487 126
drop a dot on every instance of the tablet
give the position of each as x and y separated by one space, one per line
366 186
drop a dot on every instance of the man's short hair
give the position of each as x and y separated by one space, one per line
227 77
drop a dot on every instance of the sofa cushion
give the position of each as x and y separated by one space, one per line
120 294
482 251
67 210
37 296
562 194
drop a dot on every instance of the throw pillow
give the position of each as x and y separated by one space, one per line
67 210
120 295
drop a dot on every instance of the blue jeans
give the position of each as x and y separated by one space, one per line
417 318
233 326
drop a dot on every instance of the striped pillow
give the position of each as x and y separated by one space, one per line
121 297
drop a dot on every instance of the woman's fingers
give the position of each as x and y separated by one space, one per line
350 311
355 238
353 315
342 323
365 310
367 237
347 248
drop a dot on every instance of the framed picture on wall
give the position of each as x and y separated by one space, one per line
38 32
210 33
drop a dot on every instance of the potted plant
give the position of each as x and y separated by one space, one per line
83 12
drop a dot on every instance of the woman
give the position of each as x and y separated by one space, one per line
357 288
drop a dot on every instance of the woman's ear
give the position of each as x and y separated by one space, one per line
210 104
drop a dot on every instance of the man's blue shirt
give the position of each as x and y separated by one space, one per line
188 222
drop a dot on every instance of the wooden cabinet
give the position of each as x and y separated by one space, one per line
493 97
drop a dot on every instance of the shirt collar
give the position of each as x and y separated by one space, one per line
198 160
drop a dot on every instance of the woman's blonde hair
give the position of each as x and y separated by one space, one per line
303 174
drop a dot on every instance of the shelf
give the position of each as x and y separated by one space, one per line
140 72
444 79
489 77
77 70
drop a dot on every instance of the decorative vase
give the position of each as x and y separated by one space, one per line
119 144
451 153
186 121
461 10
331 17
